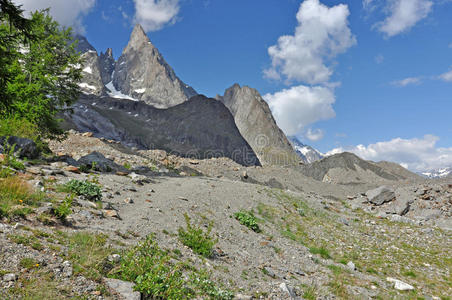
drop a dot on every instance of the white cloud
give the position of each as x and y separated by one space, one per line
403 15
154 14
406 81
67 12
314 134
322 33
415 154
446 76
300 106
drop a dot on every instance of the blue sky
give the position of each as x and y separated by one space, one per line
373 76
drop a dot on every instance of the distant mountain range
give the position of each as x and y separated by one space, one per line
438 173
306 153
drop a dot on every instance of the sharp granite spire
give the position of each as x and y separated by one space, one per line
142 73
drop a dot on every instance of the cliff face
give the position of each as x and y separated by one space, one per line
142 73
198 128
257 125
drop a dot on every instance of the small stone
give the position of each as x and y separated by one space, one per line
128 200
269 271
19 226
67 269
380 195
351 266
111 213
183 174
244 175
123 288
114 258
288 290
34 171
87 134
183 198
400 285
72 169
119 173
243 297
9 277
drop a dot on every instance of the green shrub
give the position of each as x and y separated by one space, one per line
323 252
158 277
85 188
62 210
10 160
196 239
248 219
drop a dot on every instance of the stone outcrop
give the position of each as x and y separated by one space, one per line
257 125
107 65
198 128
92 78
142 73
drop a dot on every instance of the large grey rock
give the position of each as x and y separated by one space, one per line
22 147
123 289
255 122
199 128
99 162
380 195
142 73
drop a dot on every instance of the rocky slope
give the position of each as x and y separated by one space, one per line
142 73
348 169
310 246
199 128
255 122
307 153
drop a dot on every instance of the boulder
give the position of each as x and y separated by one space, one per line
123 289
380 195
22 147
99 162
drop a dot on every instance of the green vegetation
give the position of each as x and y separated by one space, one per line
248 219
323 252
9 160
63 209
40 69
196 239
28 263
89 190
158 277
17 198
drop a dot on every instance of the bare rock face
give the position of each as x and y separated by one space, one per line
92 78
107 65
198 128
257 125
142 73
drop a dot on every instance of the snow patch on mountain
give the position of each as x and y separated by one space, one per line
438 173
114 93
306 153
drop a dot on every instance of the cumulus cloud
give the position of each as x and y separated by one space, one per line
403 15
296 108
417 154
154 14
67 12
446 76
406 81
322 33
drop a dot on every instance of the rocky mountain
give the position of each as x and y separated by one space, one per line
107 65
257 125
438 173
348 169
307 153
197 128
142 73
92 77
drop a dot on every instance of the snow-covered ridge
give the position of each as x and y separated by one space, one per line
438 173
306 153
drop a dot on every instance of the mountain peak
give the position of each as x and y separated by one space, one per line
138 35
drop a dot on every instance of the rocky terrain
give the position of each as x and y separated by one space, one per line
317 239
256 124
306 153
